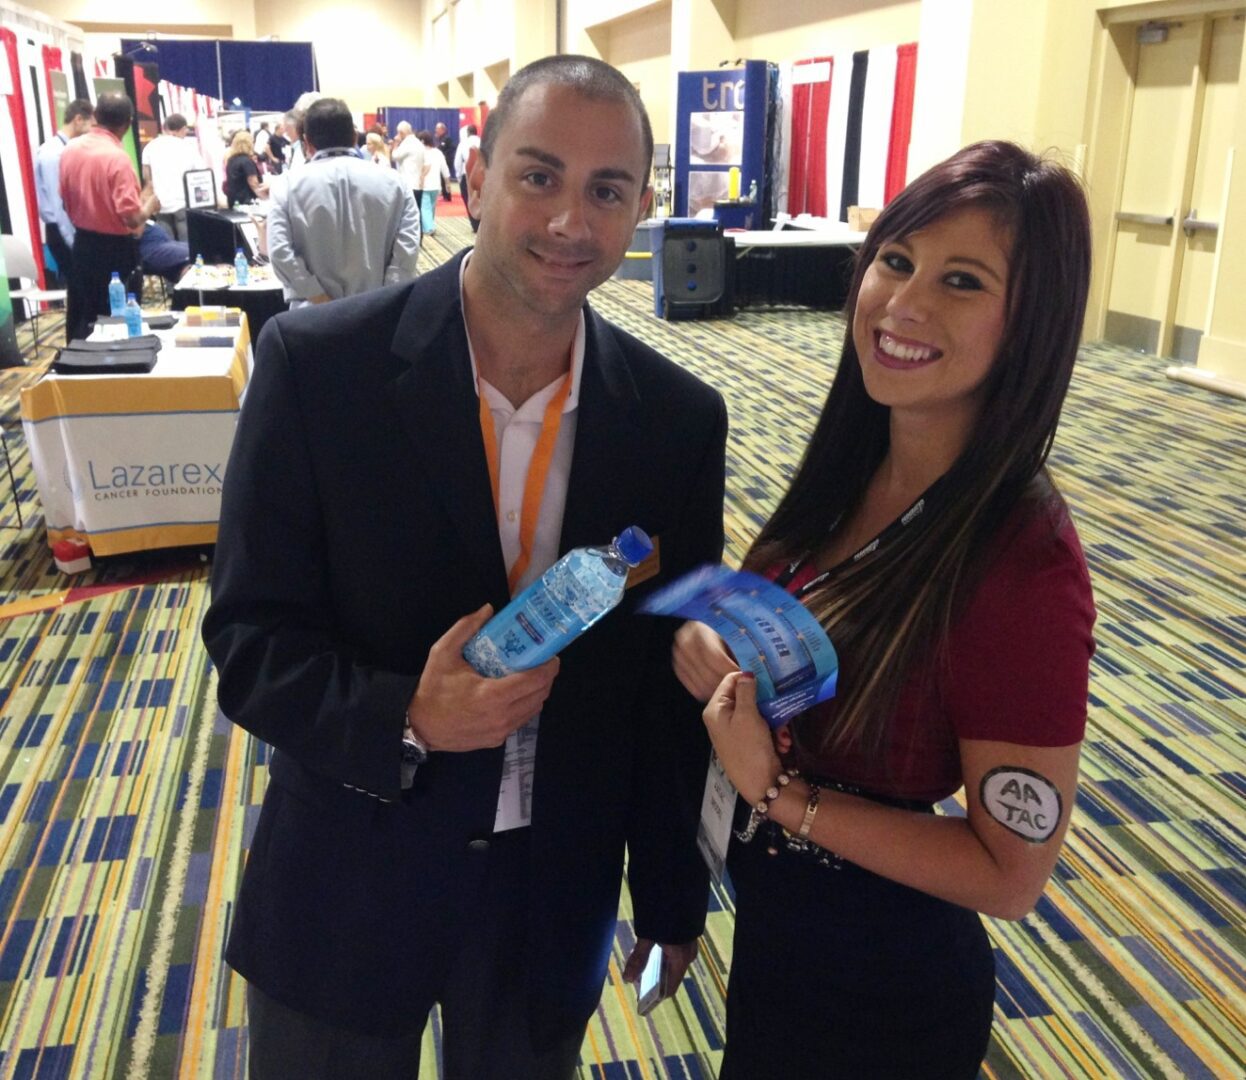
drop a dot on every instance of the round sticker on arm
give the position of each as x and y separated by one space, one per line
1022 801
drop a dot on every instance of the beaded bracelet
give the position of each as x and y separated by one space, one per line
760 811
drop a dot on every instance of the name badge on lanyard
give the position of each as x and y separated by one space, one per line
514 809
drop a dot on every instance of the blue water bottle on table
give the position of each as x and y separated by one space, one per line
133 317
558 607
116 296
242 269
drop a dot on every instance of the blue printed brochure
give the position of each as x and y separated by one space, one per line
770 632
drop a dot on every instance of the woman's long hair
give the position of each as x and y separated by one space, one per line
241 143
889 611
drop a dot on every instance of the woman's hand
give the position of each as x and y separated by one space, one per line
740 736
701 659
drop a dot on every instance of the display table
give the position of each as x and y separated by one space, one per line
214 286
809 267
134 462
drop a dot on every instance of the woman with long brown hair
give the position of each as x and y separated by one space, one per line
924 531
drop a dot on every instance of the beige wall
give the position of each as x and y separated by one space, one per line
139 16
799 29
368 54
640 47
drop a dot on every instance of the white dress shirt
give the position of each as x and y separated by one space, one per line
170 157
517 431
408 159
48 186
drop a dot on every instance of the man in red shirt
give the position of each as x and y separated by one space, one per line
99 188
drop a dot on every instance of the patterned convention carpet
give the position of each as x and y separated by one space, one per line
126 802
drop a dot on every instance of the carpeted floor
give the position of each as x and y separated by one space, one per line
126 803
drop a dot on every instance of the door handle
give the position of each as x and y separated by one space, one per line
1143 219
1192 224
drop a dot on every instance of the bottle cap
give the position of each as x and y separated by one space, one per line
129 296
238 251
116 276
634 545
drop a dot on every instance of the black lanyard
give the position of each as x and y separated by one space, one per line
915 512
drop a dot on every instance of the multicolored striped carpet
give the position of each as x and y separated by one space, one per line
126 803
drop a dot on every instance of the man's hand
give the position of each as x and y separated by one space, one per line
319 298
456 709
678 959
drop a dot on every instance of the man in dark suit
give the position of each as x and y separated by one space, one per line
447 145
363 542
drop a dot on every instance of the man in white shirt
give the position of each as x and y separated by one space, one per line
408 158
166 160
57 228
340 226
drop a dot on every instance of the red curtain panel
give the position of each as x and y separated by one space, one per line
811 104
51 63
17 111
901 120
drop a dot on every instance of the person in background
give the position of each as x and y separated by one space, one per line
106 208
436 172
260 140
407 155
275 153
293 131
166 160
926 534
340 226
242 174
363 901
58 230
159 253
376 150
446 144
464 162
304 102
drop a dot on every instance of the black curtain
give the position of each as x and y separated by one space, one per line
852 144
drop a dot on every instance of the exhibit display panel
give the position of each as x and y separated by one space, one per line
130 462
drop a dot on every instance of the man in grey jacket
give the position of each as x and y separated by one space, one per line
341 226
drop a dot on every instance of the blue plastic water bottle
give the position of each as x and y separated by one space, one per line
558 607
242 269
133 317
116 296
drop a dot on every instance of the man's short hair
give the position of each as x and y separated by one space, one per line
78 108
329 124
588 76
471 129
174 122
295 119
114 112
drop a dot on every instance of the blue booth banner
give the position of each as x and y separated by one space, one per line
721 123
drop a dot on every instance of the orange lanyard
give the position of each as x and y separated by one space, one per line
538 471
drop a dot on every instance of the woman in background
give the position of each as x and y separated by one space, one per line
242 173
925 533
435 170
374 147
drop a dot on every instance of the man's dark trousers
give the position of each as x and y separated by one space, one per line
96 257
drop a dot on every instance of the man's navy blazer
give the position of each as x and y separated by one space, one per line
357 526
